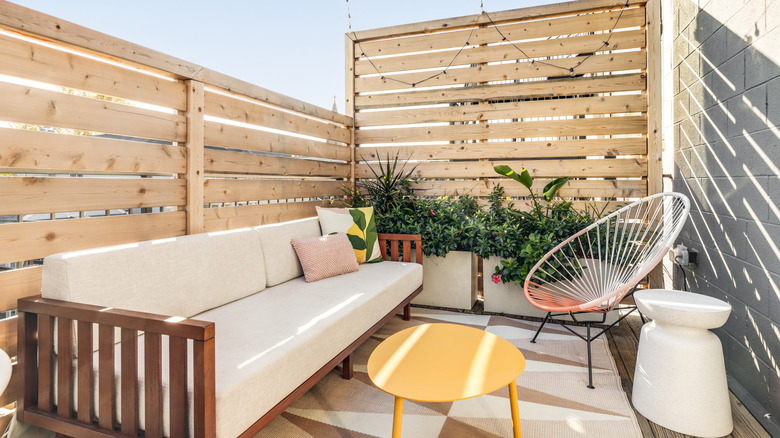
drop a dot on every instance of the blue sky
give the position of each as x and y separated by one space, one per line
295 47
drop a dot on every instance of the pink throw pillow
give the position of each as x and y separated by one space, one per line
325 256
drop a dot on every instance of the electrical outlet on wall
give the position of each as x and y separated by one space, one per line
683 255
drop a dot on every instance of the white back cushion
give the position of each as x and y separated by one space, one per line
180 276
281 262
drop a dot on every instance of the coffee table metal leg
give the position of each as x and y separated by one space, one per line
515 409
397 415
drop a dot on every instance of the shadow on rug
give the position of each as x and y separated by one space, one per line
554 401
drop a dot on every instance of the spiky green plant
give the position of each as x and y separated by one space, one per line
390 183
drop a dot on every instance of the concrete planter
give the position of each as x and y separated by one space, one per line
449 281
509 297
505 297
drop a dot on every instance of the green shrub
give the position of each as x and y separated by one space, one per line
519 238
536 240
445 224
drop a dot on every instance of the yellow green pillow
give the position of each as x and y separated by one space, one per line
360 227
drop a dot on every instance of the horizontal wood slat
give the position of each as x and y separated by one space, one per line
489 131
238 110
10 395
546 115
527 13
35 106
608 168
227 83
8 328
509 110
55 29
33 240
611 62
61 32
240 162
516 149
25 195
631 39
549 88
572 189
237 137
234 190
26 59
512 31
19 283
44 152
228 218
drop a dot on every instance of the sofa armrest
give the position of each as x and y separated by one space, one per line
36 403
142 321
400 239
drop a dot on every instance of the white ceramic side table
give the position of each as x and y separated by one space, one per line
680 376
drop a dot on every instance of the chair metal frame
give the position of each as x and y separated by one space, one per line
596 280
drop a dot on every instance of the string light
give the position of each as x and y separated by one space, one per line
349 17
571 70
355 40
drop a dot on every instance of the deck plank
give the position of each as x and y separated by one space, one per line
745 425
625 380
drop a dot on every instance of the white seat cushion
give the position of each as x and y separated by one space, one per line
270 343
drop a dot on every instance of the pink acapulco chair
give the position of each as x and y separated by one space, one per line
593 270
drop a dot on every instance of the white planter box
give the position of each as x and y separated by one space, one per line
509 297
449 281
505 297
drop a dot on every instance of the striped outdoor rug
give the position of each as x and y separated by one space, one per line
554 401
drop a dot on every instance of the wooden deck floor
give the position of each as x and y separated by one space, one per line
623 342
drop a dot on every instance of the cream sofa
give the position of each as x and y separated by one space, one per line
274 334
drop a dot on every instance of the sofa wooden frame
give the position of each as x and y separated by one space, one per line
37 404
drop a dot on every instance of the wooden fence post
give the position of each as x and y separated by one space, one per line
654 112
349 98
195 158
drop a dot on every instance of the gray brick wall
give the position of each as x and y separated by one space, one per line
726 111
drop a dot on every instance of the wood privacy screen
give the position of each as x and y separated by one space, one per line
104 142
494 106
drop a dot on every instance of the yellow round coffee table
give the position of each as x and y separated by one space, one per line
443 363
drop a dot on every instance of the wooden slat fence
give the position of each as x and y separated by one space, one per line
256 155
508 97
105 142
